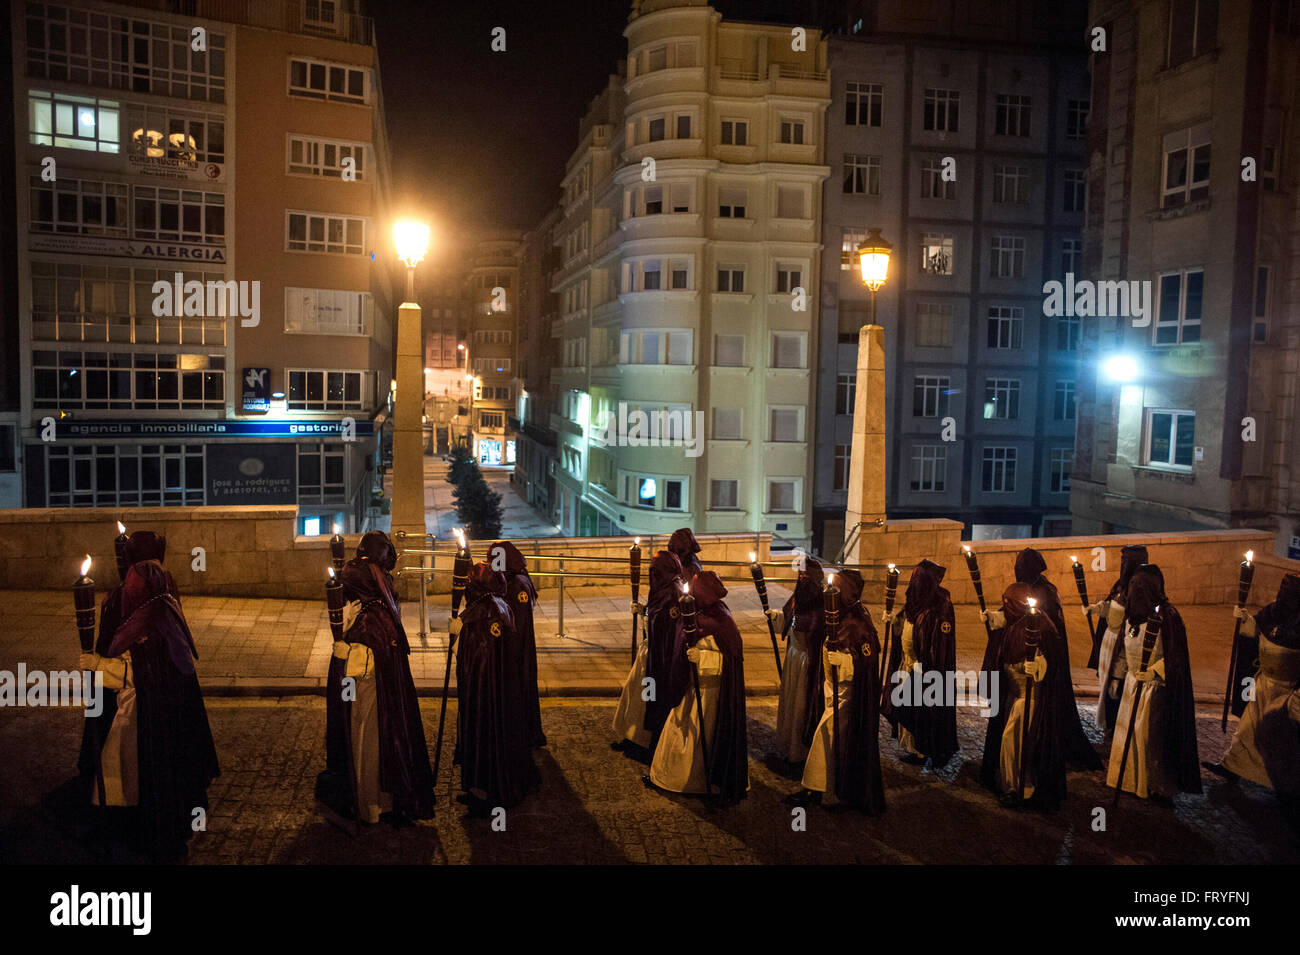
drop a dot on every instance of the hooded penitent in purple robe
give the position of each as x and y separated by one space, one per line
728 767
177 758
857 778
1049 723
1163 757
404 771
495 756
802 700
1286 607
928 608
522 653
1030 568
141 545
683 545
661 631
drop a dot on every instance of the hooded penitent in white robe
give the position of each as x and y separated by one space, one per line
819 770
1111 670
629 718
1013 733
792 708
1146 773
1270 758
678 764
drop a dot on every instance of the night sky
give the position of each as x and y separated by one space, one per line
478 138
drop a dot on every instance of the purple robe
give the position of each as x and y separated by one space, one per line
928 607
807 606
522 652
661 629
858 780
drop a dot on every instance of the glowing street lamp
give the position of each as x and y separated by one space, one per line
412 242
873 261
1121 369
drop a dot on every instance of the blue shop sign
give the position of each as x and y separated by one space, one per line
212 429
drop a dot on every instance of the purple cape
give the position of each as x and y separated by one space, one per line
929 607
808 608
661 613
522 652
858 780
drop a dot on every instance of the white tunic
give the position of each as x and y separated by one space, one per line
1275 685
1009 755
819 770
120 754
1109 641
792 709
1147 771
912 668
678 764
629 718
365 735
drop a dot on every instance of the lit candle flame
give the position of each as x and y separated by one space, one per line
893 567
1250 556
966 548
1032 604
830 579
85 566
460 537
1074 560
753 558
121 528
636 541
686 588
331 570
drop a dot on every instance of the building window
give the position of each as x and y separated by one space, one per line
783 495
168 135
311 156
863 104
1011 115
852 241
491 420
843 462
1061 464
8 449
79 207
1193 25
318 79
930 396
1068 328
790 203
936 254
73 122
1063 401
650 276
317 232
934 325
323 390
846 388
656 129
1259 329
999 471
128 381
726 424
728 351
91 48
180 215
1002 398
115 475
1171 437
933 183
679 275
655 347
1187 166
1268 162
941 110
321 473
490 366
731 203
929 468
724 495
731 278
1010 184
1005 326
1076 118
684 126
1071 256
788 350
787 278
654 493
861 175
735 132
320 12
1178 314
1007 260
1075 190
792 132
785 424
328 311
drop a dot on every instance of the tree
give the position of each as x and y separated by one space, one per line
460 462
478 507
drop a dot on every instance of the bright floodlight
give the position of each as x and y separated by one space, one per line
873 259
412 241
1121 368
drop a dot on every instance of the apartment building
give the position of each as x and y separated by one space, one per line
1193 174
168 147
690 235
491 293
957 130
538 353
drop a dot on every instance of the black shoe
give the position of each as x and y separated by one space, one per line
645 781
1220 770
804 797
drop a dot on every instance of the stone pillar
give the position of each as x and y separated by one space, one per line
408 431
867 473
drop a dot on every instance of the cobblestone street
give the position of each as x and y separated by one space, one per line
592 807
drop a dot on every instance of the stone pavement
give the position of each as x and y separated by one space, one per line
271 646
592 807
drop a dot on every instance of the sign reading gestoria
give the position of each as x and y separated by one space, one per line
216 429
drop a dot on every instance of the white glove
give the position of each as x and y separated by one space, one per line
693 654
1037 670
341 648
842 661
1146 676
453 626
113 668
1087 612
88 661
776 616
350 611
887 618
1240 612
996 619
1115 615
359 661
636 608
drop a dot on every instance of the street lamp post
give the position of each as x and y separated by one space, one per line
411 240
867 474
